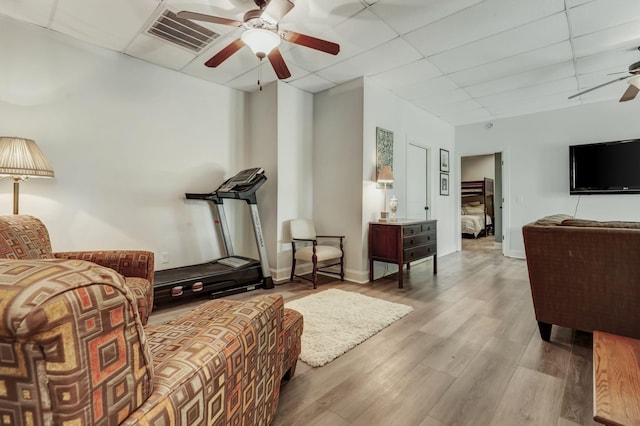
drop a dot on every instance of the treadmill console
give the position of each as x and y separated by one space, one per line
242 186
244 178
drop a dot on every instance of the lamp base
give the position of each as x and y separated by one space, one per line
384 217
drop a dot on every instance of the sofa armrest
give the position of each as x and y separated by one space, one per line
130 263
74 349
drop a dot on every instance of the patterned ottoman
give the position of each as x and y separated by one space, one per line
223 356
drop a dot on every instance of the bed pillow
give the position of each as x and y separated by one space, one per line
472 203
475 210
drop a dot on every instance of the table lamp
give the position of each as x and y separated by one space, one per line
21 159
385 177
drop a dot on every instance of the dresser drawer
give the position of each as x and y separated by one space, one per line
418 239
418 252
409 230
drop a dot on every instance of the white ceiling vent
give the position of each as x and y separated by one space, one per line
182 32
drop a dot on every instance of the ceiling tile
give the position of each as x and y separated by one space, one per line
316 17
407 15
538 34
605 62
111 24
372 61
601 14
574 3
457 95
539 104
479 21
426 88
407 74
622 37
312 83
524 79
455 108
355 36
546 56
35 11
566 85
467 117
159 52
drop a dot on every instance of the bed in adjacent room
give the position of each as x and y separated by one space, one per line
477 208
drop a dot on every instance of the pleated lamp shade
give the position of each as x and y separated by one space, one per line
21 159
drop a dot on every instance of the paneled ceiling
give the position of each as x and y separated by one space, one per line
464 61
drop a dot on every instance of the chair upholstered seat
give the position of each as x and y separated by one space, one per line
322 253
305 247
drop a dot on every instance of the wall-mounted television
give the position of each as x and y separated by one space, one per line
605 168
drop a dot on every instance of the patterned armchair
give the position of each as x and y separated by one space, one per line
74 352
25 237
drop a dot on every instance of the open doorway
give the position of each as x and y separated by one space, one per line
481 202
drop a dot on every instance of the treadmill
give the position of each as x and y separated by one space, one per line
228 275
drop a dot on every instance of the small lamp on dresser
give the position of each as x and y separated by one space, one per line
385 177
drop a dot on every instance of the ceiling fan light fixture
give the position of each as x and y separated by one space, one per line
260 41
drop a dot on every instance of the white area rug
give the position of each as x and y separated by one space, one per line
335 321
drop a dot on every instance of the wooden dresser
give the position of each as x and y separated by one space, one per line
401 242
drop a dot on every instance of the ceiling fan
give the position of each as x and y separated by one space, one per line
263 35
633 80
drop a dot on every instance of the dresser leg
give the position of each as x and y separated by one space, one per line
400 267
435 264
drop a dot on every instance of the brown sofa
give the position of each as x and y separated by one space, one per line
584 274
25 237
74 351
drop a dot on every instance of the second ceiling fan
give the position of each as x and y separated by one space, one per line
262 34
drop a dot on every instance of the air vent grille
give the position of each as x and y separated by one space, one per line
182 32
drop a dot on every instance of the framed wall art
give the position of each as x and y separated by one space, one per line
444 160
444 184
384 152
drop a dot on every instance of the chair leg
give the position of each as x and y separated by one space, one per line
293 269
314 273
342 268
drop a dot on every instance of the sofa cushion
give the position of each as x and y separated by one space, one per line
551 220
599 224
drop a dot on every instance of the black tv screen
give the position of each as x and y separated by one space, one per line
605 168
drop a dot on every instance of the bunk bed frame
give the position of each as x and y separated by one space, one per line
480 190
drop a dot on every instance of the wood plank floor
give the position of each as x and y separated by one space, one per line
469 354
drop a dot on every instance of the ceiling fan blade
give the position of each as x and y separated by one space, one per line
224 54
275 57
312 42
208 18
599 86
276 9
630 93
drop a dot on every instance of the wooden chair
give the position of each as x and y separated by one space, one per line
305 247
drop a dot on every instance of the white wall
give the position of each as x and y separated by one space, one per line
536 155
126 140
295 167
345 195
337 171
409 125
477 167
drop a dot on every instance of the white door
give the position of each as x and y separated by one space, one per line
417 177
